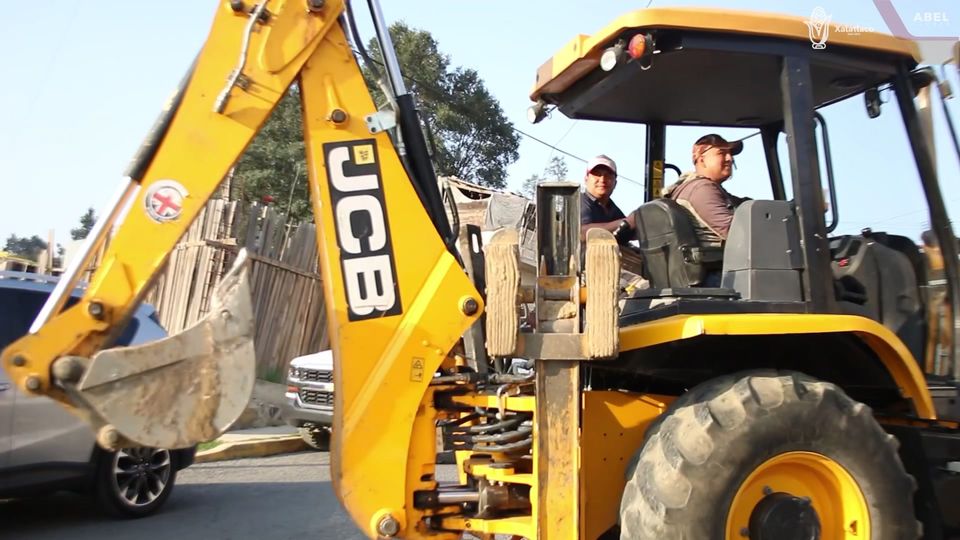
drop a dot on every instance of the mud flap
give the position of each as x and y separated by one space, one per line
184 389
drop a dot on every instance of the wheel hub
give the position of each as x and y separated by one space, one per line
141 475
799 495
782 516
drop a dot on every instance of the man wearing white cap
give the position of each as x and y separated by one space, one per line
597 210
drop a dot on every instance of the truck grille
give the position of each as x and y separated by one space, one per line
316 375
316 397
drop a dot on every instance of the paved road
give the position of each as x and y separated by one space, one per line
277 498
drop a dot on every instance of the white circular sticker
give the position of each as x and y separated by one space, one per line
164 200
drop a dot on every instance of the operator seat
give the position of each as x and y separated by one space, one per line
673 255
876 276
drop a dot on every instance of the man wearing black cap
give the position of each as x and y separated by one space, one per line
597 210
701 192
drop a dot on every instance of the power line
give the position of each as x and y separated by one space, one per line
447 99
885 220
41 81
569 129
562 151
560 140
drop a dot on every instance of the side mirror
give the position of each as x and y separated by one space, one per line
871 99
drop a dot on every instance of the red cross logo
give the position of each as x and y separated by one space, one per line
164 200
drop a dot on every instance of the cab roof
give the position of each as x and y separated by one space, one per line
707 60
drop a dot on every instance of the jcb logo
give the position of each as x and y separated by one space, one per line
363 232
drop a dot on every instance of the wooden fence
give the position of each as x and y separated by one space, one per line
286 286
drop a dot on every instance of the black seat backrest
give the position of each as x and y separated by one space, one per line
762 258
673 256
875 279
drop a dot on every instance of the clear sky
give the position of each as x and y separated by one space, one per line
83 82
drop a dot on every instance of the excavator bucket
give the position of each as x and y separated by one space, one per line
184 389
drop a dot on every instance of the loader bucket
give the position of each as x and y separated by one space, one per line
184 389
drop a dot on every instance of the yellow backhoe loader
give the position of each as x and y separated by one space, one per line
789 402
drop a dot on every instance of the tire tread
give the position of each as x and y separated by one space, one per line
676 458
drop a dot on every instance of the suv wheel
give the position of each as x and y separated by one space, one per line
134 482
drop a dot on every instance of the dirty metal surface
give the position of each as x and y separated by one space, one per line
471 248
558 448
603 282
503 282
184 389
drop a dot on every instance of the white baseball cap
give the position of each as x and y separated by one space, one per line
601 160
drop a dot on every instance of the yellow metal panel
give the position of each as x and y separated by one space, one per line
383 433
582 54
614 424
514 526
511 403
557 450
422 475
889 349
497 475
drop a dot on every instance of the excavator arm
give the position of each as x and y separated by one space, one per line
396 297
246 65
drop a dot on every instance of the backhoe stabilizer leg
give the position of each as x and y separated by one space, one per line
180 390
602 263
503 283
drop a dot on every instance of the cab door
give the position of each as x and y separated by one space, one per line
16 312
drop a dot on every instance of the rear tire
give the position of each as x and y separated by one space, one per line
134 482
802 439
317 438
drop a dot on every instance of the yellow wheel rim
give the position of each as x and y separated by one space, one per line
838 501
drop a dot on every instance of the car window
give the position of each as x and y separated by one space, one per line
19 307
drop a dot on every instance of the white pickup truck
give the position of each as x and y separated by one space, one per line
309 397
